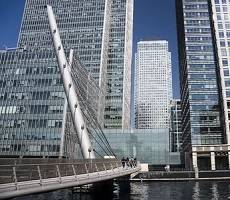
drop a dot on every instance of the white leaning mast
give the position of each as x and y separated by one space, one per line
72 98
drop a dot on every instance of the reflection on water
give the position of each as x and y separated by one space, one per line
196 191
206 190
215 194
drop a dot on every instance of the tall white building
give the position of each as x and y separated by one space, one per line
153 85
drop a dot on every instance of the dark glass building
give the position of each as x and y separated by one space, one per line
201 97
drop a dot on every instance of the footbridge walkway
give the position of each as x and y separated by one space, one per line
22 178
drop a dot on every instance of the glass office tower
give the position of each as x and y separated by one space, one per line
153 85
221 20
203 121
118 89
100 32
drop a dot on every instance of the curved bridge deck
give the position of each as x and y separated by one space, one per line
24 179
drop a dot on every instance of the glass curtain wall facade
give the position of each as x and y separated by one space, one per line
201 102
100 32
153 85
221 18
176 129
118 90
31 105
148 146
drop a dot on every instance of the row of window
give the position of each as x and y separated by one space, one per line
30 148
32 123
35 95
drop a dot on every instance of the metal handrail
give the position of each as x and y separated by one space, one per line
60 163
31 172
36 179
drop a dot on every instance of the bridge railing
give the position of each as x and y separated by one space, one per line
28 172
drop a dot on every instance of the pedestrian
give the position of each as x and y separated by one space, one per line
123 162
127 161
135 162
131 162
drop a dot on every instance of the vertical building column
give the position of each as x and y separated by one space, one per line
194 160
213 161
228 159
194 164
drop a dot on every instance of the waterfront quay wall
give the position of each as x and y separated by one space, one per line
182 175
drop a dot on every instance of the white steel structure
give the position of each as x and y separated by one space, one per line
71 95
153 85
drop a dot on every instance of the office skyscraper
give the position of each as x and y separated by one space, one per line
153 85
221 20
100 32
204 62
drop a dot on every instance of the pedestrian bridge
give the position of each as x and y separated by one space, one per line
44 175
23 176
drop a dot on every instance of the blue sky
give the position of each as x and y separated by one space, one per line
153 19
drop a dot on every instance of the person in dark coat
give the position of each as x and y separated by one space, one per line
123 162
127 162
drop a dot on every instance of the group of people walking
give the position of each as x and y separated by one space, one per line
129 162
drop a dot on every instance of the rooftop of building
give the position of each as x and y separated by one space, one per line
152 41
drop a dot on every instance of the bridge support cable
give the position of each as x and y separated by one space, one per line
89 93
72 98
